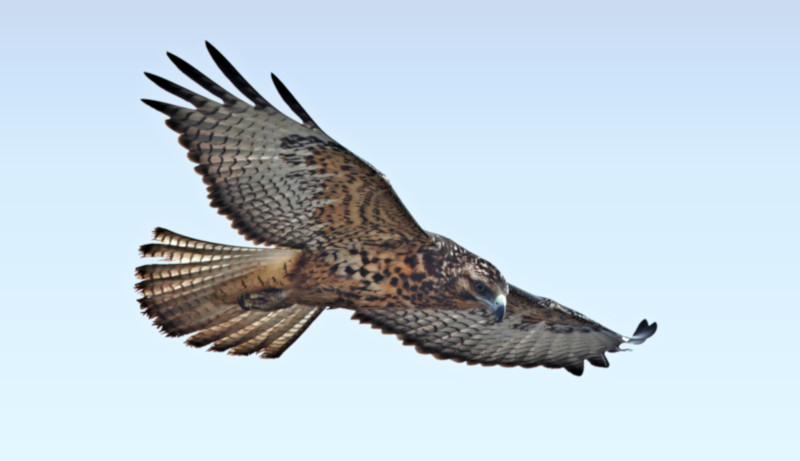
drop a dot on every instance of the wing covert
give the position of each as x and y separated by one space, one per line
279 181
536 331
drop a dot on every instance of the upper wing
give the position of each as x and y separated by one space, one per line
535 331
281 182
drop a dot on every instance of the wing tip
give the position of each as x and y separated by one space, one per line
576 368
235 77
599 361
292 102
643 332
157 105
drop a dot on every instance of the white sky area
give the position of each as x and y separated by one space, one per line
628 159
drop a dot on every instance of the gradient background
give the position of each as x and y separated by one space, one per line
629 159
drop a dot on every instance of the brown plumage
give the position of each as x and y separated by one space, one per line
338 236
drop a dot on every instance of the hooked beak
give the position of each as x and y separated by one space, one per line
499 306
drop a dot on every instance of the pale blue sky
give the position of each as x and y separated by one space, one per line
628 159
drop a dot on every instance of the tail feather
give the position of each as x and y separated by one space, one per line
195 291
187 255
177 286
196 315
275 347
250 329
268 329
221 331
273 342
184 296
174 271
174 239
181 310
246 329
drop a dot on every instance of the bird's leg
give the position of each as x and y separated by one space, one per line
266 300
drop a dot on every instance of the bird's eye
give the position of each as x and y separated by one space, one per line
479 286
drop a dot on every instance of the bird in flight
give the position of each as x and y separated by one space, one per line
332 233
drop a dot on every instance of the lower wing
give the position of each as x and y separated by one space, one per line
535 331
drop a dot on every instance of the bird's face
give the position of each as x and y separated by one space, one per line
466 281
482 282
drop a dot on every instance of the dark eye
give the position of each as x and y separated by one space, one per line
479 286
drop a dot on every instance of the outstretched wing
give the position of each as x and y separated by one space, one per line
281 182
535 331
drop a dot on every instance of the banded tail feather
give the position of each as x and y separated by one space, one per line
195 291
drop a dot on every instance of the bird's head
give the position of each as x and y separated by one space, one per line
481 281
466 281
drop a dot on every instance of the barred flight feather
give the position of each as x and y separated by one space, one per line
181 296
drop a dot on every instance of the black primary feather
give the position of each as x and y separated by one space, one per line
235 77
291 101
202 80
643 331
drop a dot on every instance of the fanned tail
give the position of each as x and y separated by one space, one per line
196 291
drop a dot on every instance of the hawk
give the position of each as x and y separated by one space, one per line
333 234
